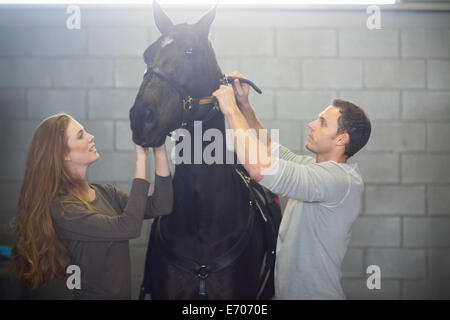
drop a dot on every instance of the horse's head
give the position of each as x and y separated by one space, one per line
183 60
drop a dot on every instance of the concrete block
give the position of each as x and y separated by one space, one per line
7 237
18 134
411 19
110 103
103 132
118 167
306 43
435 289
439 263
243 42
229 65
54 42
395 200
42 103
13 167
25 72
425 168
13 40
396 137
438 200
137 16
129 72
10 196
290 133
368 43
427 43
378 105
394 74
123 136
11 17
84 73
332 73
378 168
352 265
286 19
263 104
438 74
357 290
426 105
12 103
121 41
284 72
301 104
437 137
398 263
426 232
375 232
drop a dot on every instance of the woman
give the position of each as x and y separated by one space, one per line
63 220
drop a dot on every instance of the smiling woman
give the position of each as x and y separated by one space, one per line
63 220
82 148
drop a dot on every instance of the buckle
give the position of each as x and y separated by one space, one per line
187 103
224 81
203 271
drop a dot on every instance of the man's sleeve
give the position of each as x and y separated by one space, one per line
284 153
325 182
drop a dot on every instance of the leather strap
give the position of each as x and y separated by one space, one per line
217 264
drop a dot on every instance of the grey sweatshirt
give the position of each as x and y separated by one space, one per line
324 201
98 239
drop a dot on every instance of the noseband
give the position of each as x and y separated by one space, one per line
189 102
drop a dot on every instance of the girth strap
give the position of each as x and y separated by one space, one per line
217 264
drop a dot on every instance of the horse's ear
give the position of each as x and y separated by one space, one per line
162 21
204 24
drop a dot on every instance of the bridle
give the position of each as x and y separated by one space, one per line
192 103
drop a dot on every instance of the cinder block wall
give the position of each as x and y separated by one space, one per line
301 59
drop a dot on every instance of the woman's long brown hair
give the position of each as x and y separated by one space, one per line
38 256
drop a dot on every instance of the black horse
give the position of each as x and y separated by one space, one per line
219 241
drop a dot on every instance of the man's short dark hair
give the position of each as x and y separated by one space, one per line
355 122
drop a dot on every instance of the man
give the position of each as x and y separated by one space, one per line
324 193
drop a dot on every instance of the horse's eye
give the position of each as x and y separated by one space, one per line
188 51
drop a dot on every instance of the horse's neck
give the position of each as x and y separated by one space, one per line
211 203
210 193
202 139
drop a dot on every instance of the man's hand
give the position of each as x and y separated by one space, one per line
241 90
227 101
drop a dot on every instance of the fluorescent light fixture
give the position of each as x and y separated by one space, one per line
203 2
